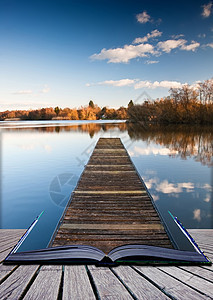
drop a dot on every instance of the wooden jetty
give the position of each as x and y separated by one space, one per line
110 205
89 282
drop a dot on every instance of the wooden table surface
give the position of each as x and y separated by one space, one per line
90 282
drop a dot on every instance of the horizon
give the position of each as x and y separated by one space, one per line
65 53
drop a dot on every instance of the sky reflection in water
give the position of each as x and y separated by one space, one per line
40 167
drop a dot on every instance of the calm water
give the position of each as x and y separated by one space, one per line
42 161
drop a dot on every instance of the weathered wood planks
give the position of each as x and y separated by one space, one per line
8 239
110 206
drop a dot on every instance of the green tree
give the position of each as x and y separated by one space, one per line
91 104
130 104
57 110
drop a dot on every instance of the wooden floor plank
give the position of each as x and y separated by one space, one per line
14 286
107 284
195 282
46 285
113 226
139 286
199 271
5 270
77 284
171 286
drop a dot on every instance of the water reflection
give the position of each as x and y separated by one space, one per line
181 140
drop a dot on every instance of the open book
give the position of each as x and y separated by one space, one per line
126 254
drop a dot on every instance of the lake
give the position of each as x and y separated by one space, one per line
41 162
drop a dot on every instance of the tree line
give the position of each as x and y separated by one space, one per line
89 112
184 105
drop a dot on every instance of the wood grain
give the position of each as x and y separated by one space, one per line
77 284
108 286
139 286
171 286
14 286
46 285
195 282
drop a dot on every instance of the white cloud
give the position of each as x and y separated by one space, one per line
141 48
150 62
44 90
177 36
166 187
191 47
152 150
23 92
157 84
169 45
24 105
155 197
207 187
118 83
125 54
153 34
196 214
208 198
207 8
139 84
143 17
210 45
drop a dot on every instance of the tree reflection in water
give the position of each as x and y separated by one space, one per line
182 140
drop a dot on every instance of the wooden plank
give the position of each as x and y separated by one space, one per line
113 226
195 282
121 231
77 284
109 150
5 270
46 285
4 244
108 172
4 254
138 285
110 192
8 239
199 271
14 286
107 284
171 286
108 237
106 166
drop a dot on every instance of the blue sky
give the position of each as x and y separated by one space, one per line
68 52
